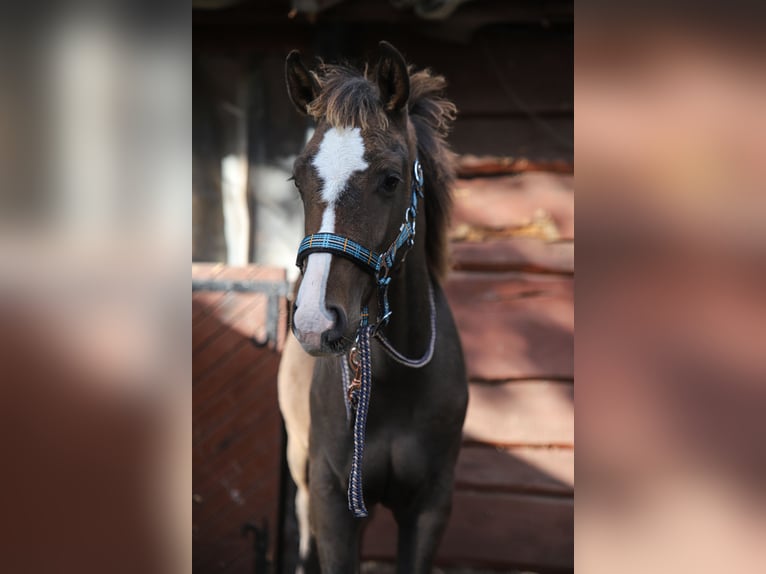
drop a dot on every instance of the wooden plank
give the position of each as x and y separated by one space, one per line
245 362
520 469
244 313
521 414
240 312
236 427
252 406
247 272
205 269
514 254
547 137
237 448
207 302
514 325
219 312
515 202
491 530
217 353
469 165
204 301
504 71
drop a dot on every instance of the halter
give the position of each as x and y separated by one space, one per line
379 265
356 393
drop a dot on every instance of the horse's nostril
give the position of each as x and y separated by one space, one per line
339 316
335 334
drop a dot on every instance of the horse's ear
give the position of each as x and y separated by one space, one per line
393 78
302 86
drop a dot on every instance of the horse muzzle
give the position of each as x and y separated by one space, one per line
321 332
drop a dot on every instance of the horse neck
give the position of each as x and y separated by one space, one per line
409 327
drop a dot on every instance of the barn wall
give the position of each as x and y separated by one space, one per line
512 296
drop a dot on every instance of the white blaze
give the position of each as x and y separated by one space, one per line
340 155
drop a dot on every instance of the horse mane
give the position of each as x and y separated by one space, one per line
350 98
432 116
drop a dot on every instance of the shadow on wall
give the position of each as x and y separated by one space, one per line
514 325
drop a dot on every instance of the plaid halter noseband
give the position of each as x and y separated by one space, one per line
379 265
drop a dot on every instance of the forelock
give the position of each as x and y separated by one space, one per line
347 99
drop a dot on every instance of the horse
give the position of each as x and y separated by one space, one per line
375 180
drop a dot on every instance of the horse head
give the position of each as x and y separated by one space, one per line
355 178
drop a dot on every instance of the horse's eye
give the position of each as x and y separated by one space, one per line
390 183
295 182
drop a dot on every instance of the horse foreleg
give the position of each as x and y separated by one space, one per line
297 460
294 384
421 529
335 529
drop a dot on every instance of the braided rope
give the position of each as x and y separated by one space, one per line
346 376
361 400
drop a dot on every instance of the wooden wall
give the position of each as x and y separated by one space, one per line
512 296
237 429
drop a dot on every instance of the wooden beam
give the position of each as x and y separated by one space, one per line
529 413
469 165
514 325
514 254
548 471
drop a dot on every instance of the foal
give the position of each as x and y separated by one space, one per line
361 184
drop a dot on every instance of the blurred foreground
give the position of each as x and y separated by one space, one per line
94 297
671 294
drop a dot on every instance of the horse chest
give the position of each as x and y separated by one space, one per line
394 467
412 427
399 457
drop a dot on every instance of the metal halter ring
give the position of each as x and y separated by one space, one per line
353 357
417 171
382 271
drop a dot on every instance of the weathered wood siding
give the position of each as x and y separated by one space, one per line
513 303
237 432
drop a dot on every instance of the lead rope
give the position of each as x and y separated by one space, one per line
356 394
359 397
